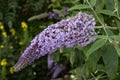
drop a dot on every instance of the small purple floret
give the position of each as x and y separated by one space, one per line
53 15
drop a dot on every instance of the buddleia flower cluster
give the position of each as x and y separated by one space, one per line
66 33
53 15
56 15
55 68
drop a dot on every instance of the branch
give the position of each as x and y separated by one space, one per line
36 17
107 27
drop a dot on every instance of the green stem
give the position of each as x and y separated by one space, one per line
107 27
98 18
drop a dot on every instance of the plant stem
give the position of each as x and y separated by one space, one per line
98 18
107 27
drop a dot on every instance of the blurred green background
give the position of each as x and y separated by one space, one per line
21 20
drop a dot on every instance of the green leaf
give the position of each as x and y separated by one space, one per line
76 57
79 7
115 37
101 18
99 4
92 61
10 24
118 24
101 68
100 36
72 58
110 59
98 44
109 4
106 12
110 32
79 57
117 48
93 2
56 56
80 71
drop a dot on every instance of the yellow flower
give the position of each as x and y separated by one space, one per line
2 46
11 47
12 31
3 62
1 26
4 34
20 43
11 70
24 25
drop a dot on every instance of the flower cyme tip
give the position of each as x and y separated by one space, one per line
69 32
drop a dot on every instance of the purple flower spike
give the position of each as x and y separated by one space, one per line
69 32
51 62
53 15
57 69
66 10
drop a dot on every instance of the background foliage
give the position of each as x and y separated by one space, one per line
21 20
